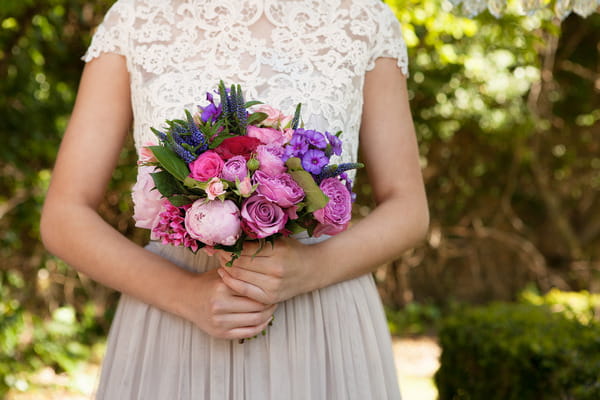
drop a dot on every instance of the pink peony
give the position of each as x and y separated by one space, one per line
208 165
214 189
335 216
266 135
281 189
262 218
214 222
234 168
274 116
269 157
146 154
147 201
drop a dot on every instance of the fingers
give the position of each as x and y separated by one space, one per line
237 304
240 320
247 289
246 332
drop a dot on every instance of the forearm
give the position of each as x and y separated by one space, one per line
78 235
393 227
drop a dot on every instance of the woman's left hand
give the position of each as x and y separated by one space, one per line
275 273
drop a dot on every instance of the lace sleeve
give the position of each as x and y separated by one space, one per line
112 36
388 40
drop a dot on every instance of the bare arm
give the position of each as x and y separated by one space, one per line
399 221
72 229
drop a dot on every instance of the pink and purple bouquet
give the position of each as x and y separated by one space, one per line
238 171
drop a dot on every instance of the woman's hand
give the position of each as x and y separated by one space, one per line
276 273
223 313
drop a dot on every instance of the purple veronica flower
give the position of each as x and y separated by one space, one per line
313 161
315 138
335 142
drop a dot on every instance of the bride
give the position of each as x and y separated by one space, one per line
173 336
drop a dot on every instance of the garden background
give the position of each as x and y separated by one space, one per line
507 112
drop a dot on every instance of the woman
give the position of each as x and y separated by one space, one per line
174 333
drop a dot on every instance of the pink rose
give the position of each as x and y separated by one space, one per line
262 218
146 154
244 187
214 189
281 189
335 216
208 165
213 222
234 168
269 157
147 203
274 116
266 135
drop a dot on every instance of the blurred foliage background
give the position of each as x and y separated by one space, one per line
507 113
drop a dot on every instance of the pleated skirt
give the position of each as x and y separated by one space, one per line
329 344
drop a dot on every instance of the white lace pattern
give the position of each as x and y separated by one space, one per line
282 52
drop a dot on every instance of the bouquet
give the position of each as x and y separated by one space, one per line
237 171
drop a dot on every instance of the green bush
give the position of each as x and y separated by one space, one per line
518 352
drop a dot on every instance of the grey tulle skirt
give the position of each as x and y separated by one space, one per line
329 344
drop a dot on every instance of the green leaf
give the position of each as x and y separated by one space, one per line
296 119
256 118
194 184
180 200
294 227
252 103
315 198
170 162
166 184
219 139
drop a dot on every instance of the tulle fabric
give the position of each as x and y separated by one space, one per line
329 344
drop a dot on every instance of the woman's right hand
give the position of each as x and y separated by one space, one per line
221 312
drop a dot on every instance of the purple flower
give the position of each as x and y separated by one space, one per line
313 161
297 146
234 168
335 142
262 218
281 189
211 112
315 139
335 216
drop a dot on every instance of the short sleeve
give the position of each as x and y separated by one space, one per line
388 40
112 35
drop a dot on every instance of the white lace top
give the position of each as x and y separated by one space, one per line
282 52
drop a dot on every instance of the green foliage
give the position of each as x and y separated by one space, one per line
518 352
414 319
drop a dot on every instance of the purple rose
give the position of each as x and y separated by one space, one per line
335 216
234 168
213 222
281 189
313 161
269 157
262 218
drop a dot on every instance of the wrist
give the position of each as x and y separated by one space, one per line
319 265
